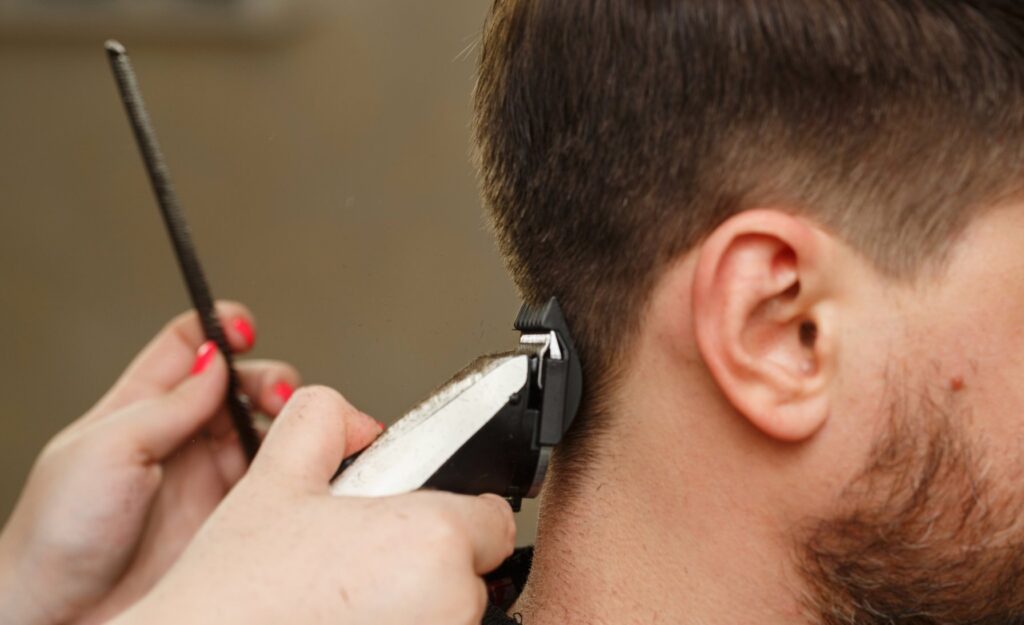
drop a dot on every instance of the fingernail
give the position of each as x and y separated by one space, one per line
242 325
283 390
204 357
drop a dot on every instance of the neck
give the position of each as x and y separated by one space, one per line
649 536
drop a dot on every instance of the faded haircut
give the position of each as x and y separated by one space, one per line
613 135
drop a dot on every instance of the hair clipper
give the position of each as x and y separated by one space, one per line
490 429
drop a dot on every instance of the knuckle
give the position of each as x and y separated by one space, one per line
180 321
445 531
507 520
54 449
321 404
328 400
320 396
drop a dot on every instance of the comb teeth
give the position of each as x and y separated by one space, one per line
542 318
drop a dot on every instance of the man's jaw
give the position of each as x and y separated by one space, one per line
926 535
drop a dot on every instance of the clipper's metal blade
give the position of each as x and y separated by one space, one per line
415 447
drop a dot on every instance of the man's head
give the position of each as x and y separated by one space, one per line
789 239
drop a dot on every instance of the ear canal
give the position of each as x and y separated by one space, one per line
808 334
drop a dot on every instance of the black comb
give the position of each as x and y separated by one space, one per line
181 240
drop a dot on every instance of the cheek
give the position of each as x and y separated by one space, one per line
967 324
995 408
969 330
975 358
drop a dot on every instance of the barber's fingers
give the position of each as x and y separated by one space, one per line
316 430
492 530
157 427
486 521
268 384
168 357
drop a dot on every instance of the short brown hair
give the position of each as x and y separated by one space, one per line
613 135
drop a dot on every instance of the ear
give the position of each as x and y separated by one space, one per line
764 319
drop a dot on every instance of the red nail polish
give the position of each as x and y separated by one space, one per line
204 357
283 390
244 328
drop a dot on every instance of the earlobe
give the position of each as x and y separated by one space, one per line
764 320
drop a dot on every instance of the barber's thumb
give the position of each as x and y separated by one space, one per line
163 424
314 432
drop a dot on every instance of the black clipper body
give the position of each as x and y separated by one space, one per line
490 429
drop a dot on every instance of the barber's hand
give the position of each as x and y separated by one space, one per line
281 549
116 496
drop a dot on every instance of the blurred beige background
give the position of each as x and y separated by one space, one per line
326 177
